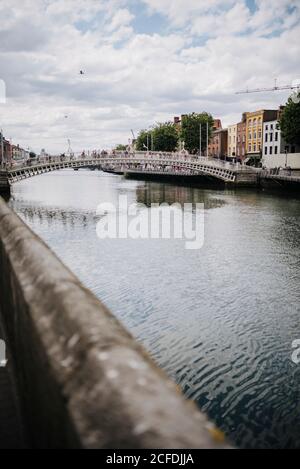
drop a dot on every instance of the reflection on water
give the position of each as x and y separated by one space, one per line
220 320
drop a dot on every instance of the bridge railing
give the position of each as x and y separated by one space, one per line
112 156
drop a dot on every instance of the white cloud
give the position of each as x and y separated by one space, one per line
216 16
235 20
180 12
121 18
208 51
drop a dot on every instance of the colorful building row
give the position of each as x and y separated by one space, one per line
256 137
10 153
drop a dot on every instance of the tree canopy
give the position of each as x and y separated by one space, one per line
165 137
143 140
121 147
190 131
162 137
289 121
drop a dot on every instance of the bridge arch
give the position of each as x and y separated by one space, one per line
139 163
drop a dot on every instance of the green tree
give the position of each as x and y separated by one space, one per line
289 121
121 147
143 140
190 131
165 137
162 137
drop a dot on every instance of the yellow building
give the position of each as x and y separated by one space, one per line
254 131
232 141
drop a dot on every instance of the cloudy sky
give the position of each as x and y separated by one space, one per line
144 61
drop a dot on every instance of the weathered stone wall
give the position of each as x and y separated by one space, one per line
247 178
83 380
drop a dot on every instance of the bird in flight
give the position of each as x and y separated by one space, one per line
81 72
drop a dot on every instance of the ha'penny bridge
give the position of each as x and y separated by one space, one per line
139 163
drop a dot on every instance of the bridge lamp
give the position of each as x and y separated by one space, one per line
207 139
200 146
2 149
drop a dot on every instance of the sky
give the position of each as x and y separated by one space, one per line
145 61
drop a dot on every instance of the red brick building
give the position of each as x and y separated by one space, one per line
217 147
241 138
217 124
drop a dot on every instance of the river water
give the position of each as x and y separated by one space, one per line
219 320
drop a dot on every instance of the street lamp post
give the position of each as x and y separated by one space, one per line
2 150
207 139
200 145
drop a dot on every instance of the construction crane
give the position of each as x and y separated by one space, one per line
274 88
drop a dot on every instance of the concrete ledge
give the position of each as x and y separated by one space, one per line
84 381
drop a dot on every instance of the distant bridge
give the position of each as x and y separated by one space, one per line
170 164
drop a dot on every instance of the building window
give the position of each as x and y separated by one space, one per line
254 135
254 147
271 150
276 137
271 137
275 150
271 126
267 127
266 150
259 134
266 137
249 147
